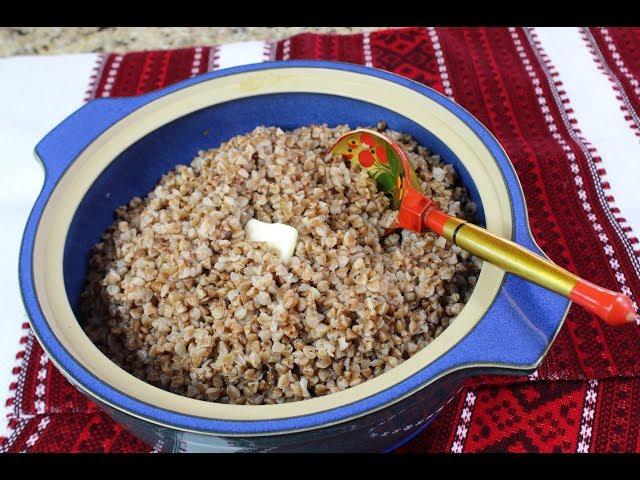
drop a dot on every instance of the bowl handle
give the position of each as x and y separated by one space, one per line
519 328
62 145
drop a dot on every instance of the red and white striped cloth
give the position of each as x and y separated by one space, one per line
565 104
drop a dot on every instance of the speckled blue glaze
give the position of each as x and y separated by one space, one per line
524 316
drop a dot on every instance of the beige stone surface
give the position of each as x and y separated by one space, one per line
54 40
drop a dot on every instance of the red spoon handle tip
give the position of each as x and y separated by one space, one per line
613 307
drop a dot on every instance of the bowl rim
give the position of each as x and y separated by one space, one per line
306 423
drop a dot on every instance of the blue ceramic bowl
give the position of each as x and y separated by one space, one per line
112 149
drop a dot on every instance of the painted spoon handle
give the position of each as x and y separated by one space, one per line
613 307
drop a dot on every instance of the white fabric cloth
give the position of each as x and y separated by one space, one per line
36 93
599 116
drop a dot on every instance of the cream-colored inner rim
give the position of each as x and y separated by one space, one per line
56 218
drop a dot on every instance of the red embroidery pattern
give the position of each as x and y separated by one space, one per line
501 76
619 51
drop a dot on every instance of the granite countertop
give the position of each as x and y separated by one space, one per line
54 40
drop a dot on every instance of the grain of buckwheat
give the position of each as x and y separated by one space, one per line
178 297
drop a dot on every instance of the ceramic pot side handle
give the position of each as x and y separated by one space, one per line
62 145
613 307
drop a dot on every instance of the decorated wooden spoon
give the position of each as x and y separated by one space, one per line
385 161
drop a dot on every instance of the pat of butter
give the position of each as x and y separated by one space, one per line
278 235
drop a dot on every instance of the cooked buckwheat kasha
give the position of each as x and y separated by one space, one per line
178 297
